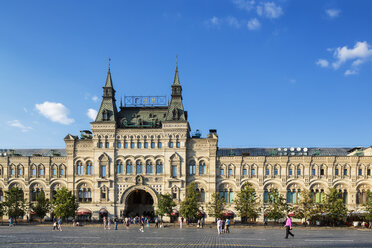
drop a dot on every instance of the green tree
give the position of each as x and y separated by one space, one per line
190 205
42 206
305 208
64 204
165 205
2 209
15 203
368 206
334 206
246 202
277 206
216 206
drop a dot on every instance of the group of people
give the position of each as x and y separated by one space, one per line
223 226
57 224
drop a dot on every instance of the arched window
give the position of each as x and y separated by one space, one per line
62 170
79 168
33 171
89 168
54 190
85 193
293 194
129 167
41 170
317 195
54 171
12 171
1 195
202 168
159 167
148 167
119 167
35 191
269 193
227 193
192 168
138 167
119 144
202 195
20 170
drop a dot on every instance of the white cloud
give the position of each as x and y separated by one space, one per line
333 13
18 124
215 20
322 63
361 53
269 10
233 22
92 114
55 112
253 24
350 72
95 98
247 5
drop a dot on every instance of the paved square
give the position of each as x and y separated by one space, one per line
43 236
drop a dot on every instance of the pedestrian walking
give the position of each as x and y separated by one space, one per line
222 226
55 227
59 222
156 222
202 222
109 223
219 226
116 220
127 222
288 227
11 223
227 229
104 222
142 223
181 222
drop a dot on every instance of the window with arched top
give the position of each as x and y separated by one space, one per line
41 171
20 171
192 168
84 193
269 192
202 168
148 167
62 170
79 168
159 167
35 191
53 190
226 192
129 167
317 193
1 195
54 171
119 167
33 171
139 167
89 168
294 194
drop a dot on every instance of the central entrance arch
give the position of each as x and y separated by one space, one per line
139 202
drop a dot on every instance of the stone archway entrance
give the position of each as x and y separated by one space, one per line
139 203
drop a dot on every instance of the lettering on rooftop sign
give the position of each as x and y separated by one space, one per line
134 101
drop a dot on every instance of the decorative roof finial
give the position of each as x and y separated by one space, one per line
109 63
176 61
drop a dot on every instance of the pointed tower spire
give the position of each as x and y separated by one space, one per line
175 108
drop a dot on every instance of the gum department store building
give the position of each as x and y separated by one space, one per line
139 151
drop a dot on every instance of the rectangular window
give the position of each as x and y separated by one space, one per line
100 144
222 172
107 145
253 172
139 145
152 144
290 172
336 172
231 197
267 172
119 144
103 168
125 144
368 172
322 172
178 144
345 172
33 172
276 172
230 172
62 172
244 172
12 173
298 172
360 172
132 145
313 172
159 145
174 171
170 144
41 172
146 145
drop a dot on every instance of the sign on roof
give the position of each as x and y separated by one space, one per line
141 101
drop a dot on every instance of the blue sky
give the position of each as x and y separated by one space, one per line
263 73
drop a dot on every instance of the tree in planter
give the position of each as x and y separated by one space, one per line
190 205
165 205
216 206
246 202
368 206
42 206
64 204
334 206
277 206
15 203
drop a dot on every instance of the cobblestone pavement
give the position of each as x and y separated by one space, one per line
43 236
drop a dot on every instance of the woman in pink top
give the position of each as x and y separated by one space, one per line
288 227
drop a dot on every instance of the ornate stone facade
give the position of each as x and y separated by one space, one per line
150 150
